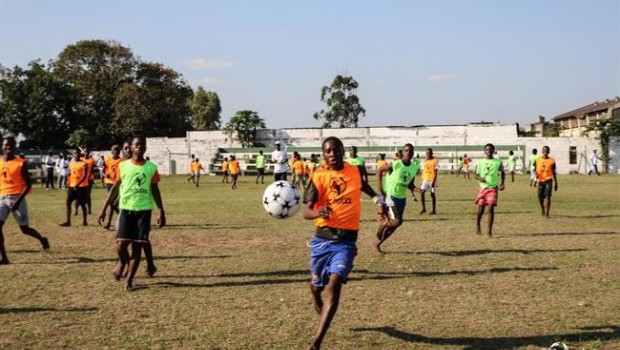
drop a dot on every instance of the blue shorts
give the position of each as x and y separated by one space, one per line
397 203
328 257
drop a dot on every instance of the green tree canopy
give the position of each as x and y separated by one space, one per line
343 105
37 104
95 69
206 109
245 124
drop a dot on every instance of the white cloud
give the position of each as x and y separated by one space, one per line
201 63
209 82
442 77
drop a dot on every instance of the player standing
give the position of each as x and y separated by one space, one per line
429 180
546 176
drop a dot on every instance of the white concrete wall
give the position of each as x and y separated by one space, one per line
204 144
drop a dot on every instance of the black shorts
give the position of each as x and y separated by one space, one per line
133 225
79 194
261 171
280 176
545 189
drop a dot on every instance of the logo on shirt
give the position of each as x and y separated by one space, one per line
337 184
138 183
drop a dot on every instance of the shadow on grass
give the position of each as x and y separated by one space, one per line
367 275
568 233
87 260
598 333
586 216
23 310
492 251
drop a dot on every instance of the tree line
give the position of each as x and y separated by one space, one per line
98 92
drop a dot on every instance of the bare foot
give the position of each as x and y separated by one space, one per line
432 213
478 231
85 223
128 287
423 211
107 227
4 262
65 224
377 247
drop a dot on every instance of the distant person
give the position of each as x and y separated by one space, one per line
49 163
512 164
547 178
260 167
532 165
459 166
400 176
101 168
111 176
234 169
299 170
15 184
333 201
358 161
78 184
62 167
490 175
225 170
594 160
196 169
90 162
279 158
190 167
466 164
430 168
313 165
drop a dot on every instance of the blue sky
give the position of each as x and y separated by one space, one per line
417 62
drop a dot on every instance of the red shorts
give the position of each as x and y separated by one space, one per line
487 196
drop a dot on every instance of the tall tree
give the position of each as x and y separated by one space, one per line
206 110
156 103
343 105
36 104
245 124
95 69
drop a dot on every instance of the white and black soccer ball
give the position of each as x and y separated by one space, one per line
281 199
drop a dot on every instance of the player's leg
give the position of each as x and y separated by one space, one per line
395 210
122 250
479 215
490 220
331 302
82 198
134 263
4 260
433 202
71 196
541 198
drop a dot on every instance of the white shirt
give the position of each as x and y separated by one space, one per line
62 166
280 158
49 161
595 158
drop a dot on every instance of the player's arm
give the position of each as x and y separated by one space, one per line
311 197
84 175
435 176
113 193
161 220
502 175
555 178
382 169
26 175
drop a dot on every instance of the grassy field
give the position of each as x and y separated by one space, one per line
231 277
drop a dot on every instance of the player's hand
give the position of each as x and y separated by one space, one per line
161 220
324 212
101 218
556 187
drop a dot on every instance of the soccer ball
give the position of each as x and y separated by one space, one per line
281 199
